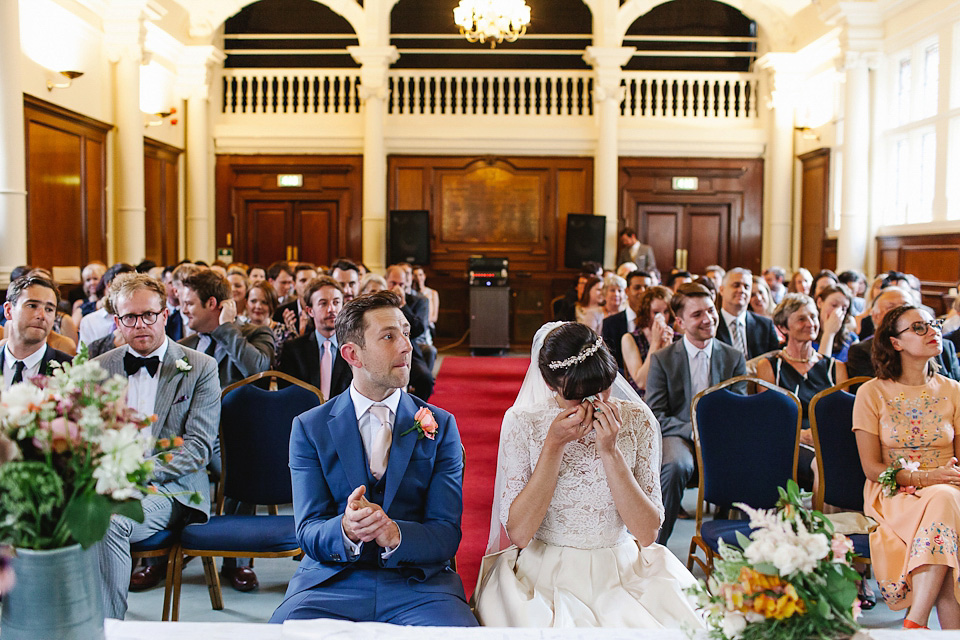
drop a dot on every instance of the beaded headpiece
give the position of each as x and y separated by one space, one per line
585 352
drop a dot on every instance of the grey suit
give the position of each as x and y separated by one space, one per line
669 395
188 406
241 350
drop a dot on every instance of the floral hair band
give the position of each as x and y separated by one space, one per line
585 353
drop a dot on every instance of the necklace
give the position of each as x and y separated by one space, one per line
787 356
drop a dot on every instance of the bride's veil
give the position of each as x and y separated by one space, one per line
533 392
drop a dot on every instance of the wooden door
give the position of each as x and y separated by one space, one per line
265 232
814 209
315 235
701 230
161 176
305 231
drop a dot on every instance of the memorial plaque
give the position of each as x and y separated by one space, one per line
490 205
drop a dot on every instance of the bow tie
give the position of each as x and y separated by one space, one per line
132 364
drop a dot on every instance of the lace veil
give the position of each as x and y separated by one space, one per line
533 392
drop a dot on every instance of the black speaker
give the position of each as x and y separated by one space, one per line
408 237
585 236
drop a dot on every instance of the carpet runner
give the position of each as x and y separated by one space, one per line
477 391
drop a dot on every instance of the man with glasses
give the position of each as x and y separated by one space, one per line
859 362
180 387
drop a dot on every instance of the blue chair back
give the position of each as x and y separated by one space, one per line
255 427
746 444
841 473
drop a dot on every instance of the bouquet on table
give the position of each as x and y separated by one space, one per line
791 579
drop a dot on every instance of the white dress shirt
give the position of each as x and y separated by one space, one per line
95 325
31 365
631 320
692 351
730 320
142 387
368 426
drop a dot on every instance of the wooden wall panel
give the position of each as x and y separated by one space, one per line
66 161
161 189
934 259
814 208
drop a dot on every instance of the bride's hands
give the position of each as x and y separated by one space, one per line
571 424
607 423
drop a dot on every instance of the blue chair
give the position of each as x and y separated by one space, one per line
162 544
839 472
255 427
747 446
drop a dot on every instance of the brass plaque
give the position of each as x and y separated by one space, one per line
490 205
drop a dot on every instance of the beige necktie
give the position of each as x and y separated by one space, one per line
382 437
700 376
326 369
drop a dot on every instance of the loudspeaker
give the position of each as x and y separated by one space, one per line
408 237
585 236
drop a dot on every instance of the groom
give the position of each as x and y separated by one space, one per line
377 506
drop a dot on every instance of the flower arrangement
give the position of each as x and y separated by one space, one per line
791 579
71 455
424 423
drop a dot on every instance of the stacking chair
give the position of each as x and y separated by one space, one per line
255 427
747 446
162 544
839 472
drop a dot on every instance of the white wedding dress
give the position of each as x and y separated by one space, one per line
583 568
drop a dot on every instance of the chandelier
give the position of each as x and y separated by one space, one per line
493 20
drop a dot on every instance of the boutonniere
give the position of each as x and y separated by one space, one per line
183 366
424 423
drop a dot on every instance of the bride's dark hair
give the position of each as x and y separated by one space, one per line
588 377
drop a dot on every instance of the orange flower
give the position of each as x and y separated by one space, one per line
163 443
178 441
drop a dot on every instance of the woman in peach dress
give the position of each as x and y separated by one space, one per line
909 412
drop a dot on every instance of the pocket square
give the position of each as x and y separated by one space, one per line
181 399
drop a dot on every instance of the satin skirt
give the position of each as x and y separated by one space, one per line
625 586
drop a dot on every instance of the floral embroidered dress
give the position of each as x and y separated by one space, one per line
916 423
583 568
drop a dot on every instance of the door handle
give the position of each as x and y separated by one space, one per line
685 258
289 253
296 252
678 258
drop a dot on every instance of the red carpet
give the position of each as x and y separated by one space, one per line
477 391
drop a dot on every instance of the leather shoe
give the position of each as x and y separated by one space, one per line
148 577
241 578
868 600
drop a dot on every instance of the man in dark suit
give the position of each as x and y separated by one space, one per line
625 321
859 362
416 308
315 358
377 506
291 313
677 374
30 310
180 387
739 327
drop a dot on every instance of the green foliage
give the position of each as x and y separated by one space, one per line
88 516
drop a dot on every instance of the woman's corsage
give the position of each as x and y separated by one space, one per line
424 423
183 366
888 479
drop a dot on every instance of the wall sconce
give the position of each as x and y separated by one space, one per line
807 133
160 117
69 75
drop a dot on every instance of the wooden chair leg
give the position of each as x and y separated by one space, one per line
213 582
177 580
168 583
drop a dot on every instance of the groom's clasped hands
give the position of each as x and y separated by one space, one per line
364 521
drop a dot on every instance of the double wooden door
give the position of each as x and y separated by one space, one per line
686 236
301 230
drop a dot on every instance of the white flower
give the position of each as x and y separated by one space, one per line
733 624
21 401
122 455
753 616
183 366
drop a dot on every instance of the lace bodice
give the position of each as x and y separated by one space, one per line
582 513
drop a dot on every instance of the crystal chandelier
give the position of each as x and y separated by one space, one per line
493 20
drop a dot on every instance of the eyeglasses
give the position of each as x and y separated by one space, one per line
921 328
148 317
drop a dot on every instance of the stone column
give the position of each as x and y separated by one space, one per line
374 64
124 35
194 77
13 173
607 95
778 219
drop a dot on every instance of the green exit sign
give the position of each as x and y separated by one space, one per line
685 183
290 180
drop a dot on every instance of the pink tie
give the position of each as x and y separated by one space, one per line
326 366
382 437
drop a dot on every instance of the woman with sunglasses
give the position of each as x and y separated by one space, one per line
904 421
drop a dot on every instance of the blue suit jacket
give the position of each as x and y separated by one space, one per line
423 493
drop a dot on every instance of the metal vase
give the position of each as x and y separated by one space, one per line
56 597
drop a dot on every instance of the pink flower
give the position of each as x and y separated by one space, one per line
7 578
427 423
840 545
857 611
63 433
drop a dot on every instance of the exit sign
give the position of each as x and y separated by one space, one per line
290 180
685 183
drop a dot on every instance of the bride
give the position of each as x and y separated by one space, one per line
578 495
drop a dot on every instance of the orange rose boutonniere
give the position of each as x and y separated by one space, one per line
424 423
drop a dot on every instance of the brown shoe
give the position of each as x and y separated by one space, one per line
241 578
148 577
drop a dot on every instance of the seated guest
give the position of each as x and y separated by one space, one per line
371 283
261 303
822 279
413 308
905 421
565 308
63 336
615 326
761 299
626 268
291 313
421 307
30 309
800 282
99 323
589 309
678 278
864 319
239 285
798 368
836 321
857 283
90 277
748 333
280 277
653 332
174 327
614 295
183 271
716 274
315 358
256 274
774 276
187 404
347 273
678 373
859 361
890 279
378 522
